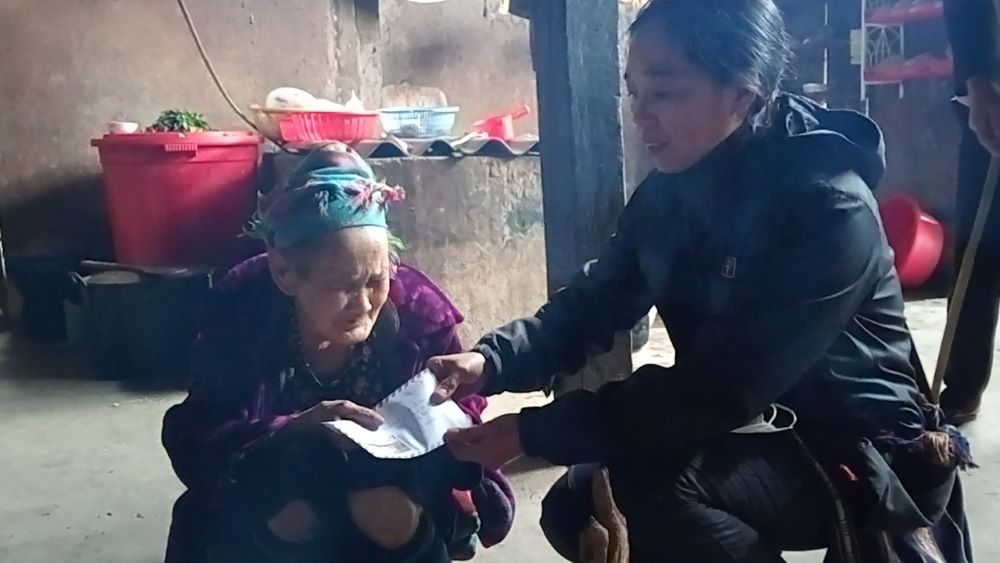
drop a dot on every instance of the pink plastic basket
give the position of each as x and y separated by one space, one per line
347 127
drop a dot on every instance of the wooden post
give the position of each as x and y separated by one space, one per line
353 50
575 49
844 78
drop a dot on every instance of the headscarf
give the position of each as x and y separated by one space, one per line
333 189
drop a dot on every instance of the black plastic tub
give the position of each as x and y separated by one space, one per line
136 327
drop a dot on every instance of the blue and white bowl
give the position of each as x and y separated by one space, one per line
418 122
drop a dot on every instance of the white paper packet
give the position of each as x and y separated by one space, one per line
412 427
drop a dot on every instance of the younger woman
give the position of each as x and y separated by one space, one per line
758 239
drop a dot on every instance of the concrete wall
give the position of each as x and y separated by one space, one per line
71 65
475 226
479 57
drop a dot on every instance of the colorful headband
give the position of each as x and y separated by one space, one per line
331 190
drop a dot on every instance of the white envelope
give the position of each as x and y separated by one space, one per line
412 427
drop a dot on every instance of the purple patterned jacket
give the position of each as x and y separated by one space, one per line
233 399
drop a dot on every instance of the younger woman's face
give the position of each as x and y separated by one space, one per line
681 111
341 291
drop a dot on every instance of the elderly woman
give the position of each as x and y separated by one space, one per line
322 327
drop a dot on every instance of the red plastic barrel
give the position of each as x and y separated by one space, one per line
177 199
916 238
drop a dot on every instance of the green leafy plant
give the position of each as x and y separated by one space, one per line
179 121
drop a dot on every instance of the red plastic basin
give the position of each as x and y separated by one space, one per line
178 199
916 238
347 127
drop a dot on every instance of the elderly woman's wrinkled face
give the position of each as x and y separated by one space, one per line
340 286
682 113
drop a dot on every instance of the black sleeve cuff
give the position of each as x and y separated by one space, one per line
566 432
527 421
493 385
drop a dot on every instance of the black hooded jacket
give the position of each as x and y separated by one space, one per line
768 263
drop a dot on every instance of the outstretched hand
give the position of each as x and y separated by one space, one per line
459 375
604 539
493 444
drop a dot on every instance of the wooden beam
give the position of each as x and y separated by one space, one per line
575 49
369 29
353 50
845 79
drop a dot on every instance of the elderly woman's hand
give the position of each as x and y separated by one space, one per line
459 375
327 411
492 445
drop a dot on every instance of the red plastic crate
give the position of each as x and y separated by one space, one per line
925 70
886 73
900 14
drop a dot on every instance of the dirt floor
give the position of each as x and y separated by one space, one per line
83 477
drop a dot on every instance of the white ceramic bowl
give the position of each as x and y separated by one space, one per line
122 127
